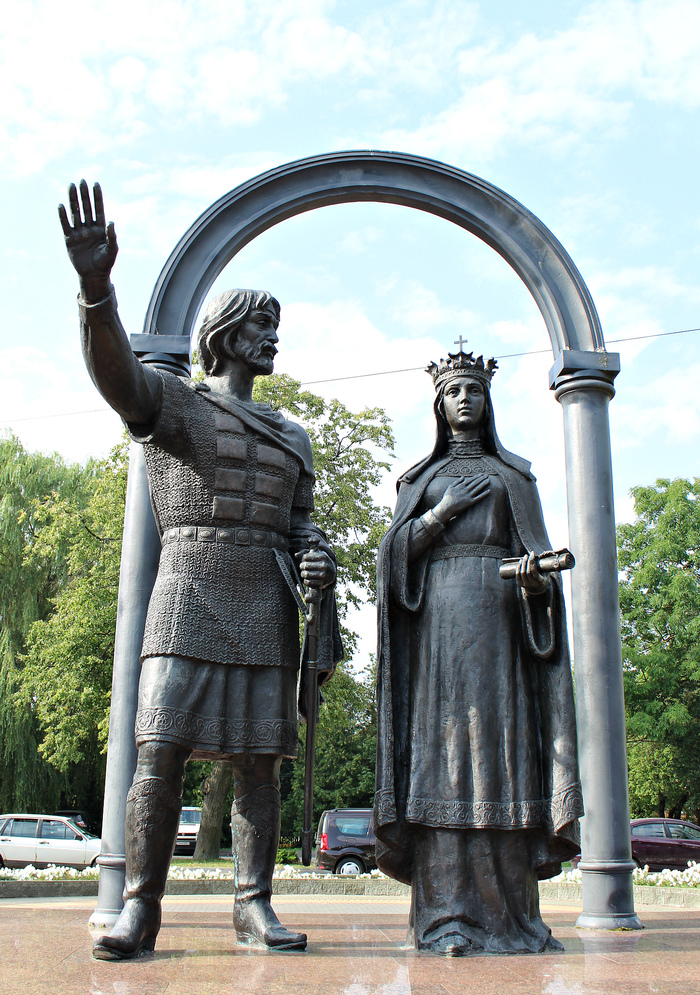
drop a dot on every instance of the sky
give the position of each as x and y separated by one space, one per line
584 112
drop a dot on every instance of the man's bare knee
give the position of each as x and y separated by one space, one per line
164 760
252 770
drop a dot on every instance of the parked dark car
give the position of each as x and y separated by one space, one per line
660 843
345 841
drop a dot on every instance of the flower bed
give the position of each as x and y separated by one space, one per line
689 878
50 873
177 872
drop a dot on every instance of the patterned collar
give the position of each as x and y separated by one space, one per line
473 447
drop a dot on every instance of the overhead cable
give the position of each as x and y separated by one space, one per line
362 376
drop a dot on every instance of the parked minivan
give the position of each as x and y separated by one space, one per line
345 841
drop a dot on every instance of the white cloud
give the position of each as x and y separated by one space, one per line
662 413
344 342
89 76
633 303
573 85
95 76
52 406
154 205
651 280
475 127
356 242
420 309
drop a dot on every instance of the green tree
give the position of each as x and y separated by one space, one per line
351 453
67 672
346 745
659 559
28 586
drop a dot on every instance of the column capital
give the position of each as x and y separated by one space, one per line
165 352
580 364
584 380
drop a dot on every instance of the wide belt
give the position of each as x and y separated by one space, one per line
235 536
464 549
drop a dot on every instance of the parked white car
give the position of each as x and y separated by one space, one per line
188 829
45 839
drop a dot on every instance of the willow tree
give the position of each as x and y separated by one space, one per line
67 670
27 589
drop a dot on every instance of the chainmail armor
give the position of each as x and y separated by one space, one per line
220 602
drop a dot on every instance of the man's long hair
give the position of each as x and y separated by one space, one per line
225 313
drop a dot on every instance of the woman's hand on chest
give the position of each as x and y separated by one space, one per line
460 495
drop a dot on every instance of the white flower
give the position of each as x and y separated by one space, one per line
50 873
688 878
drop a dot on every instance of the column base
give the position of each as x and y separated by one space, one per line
103 919
110 901
625 920
608 895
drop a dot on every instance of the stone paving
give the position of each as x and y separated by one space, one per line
355 948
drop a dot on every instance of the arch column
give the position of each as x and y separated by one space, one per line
606 856
137 575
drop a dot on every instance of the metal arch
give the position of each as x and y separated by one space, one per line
582 376
492 215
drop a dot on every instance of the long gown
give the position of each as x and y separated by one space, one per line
475 804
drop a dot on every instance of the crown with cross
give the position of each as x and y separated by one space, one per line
462 364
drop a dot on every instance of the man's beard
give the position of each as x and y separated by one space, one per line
254 357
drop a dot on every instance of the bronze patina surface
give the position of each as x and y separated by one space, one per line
478 793
231 485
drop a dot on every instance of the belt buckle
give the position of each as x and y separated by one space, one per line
242 537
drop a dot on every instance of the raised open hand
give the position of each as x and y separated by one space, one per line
91 244
460 495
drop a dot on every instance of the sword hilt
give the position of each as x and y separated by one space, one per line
313 594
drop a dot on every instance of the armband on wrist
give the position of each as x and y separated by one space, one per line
431 523
99 311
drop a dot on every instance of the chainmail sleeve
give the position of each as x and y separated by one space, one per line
169 428
304 492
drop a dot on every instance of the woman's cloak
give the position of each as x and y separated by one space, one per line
552 684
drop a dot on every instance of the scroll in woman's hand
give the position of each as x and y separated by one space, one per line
553 561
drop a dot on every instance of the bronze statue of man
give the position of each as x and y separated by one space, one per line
231 485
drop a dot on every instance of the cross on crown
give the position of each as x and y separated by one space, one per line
461 364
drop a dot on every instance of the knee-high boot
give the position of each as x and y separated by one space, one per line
152 819
255 826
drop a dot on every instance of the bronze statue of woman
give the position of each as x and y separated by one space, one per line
478 794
